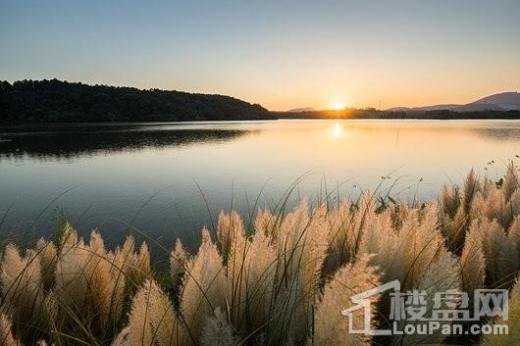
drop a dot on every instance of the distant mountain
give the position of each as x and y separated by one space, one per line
497 102
48 101
506 101
301 110
426 108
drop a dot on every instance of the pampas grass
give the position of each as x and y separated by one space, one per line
178 259
500 252
285 281
88 285
230 231
47 254
205 287
260 266
417 240
330 326
65 291
472 268
20 280
441 275
301 247
22 292
132 265
456 212
217 331
511 181
152 320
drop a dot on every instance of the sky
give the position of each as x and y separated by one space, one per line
281 54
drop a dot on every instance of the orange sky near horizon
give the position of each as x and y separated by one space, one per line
357 85
382 90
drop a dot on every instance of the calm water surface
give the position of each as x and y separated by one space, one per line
152 179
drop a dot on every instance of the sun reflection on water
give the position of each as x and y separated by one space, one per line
337 130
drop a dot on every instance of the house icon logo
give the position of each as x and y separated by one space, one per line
363 302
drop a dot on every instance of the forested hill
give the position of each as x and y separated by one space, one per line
60 101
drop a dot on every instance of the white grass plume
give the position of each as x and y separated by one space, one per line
348 224
22 290
301 251
205 287
265 222
456 213
140 269
178 260
217 331
440 276
234 248
417 242
472 268
330 324
134 265
494 206
251 270
152 320
451 200
88 284
48 255
20 277
471 187
230 230
501 254
260 275
511 181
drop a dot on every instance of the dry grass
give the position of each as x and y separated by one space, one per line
285 281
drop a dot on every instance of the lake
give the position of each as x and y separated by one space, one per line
159 180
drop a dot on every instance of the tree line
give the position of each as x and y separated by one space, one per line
30 101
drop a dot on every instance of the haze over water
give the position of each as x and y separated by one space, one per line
146 175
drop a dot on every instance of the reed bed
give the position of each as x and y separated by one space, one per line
284 281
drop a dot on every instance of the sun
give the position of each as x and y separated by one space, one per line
338 106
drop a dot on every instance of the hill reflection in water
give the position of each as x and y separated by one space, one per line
73 142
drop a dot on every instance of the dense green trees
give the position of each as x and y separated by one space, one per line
61 101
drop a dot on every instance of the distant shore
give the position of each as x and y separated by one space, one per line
353 113
350 114
61 102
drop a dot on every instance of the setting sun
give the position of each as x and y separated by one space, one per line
338 106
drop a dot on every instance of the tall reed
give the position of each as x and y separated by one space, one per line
284 281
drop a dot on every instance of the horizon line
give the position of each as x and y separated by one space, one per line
311 109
